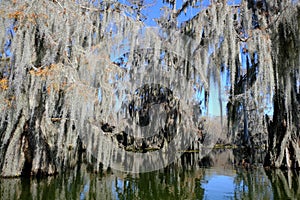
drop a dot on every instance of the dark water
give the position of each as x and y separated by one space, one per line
214 177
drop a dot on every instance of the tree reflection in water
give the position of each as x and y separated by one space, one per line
252 184
285 184
213 177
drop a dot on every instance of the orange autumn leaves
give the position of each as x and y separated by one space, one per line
48 71
3 84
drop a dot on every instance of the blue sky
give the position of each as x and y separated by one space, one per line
154 11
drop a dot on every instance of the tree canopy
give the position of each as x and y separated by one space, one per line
70 67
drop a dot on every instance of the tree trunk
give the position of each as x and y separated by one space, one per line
68 70
284 149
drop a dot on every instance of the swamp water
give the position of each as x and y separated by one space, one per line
212 177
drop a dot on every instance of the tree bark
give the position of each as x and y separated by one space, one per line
284 150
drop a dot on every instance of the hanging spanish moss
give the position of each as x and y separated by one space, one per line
84 77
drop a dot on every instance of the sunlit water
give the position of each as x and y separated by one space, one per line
219 179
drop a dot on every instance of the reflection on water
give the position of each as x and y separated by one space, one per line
218 185
187 179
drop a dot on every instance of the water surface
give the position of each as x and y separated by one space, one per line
213 177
